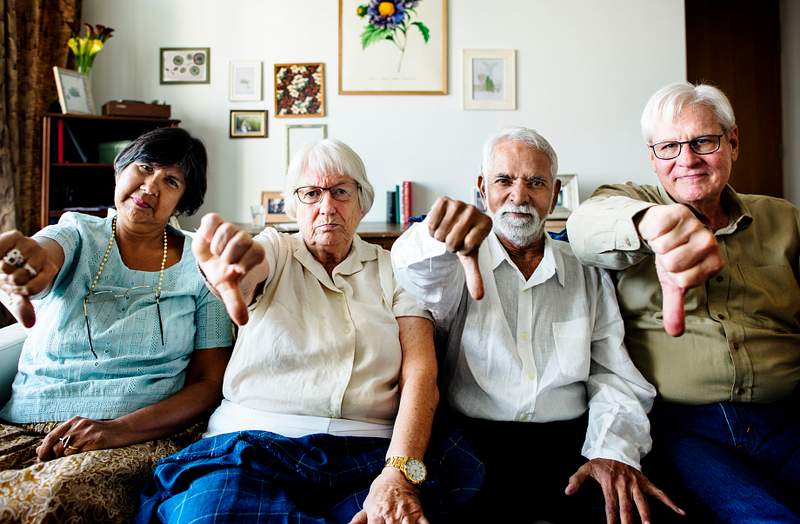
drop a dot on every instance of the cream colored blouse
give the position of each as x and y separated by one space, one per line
320 345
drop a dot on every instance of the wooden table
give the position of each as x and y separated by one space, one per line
379 233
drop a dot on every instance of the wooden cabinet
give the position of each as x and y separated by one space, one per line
73 176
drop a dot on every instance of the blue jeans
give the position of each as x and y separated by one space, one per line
738 462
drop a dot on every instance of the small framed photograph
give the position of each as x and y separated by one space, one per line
248 123
299 135
74 91
568 197
185 65
273 204
299 90
245 80
490 79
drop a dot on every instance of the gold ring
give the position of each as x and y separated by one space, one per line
71 448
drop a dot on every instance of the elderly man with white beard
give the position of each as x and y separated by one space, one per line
535 371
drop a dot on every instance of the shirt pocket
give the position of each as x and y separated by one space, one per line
771 295
572 343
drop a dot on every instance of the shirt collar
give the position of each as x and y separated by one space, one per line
360 252
738 212
551 264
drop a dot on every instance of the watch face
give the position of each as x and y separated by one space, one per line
416 470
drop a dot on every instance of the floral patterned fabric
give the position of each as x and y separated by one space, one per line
95 486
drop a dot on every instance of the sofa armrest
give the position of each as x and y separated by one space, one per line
11 339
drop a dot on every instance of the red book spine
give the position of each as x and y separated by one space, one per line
60 141
406 201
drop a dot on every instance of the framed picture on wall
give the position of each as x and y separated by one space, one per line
299 135
248 123
568 197
185 65
299 90
244 78
392 48
74 91
273 204
489 79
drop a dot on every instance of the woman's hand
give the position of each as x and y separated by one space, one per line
80 434
226 254
26 268
391 499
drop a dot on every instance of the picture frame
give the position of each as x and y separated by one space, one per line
299 90
248 123
273 203
74 91
184 65
489 79
244 80
568 197
372 60
298 135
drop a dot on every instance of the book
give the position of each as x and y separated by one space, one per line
60 141
391 211
75 143
397 204
405 204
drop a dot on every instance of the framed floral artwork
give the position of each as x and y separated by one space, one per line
392 47
248 123
244 77
490 79
185 65
299 90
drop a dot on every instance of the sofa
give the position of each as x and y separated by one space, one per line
11 339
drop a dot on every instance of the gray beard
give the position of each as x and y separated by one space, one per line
521 232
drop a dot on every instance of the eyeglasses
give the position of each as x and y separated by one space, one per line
104 299
313 194
702 145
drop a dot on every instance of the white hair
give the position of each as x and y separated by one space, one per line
328 156
519 134
668 103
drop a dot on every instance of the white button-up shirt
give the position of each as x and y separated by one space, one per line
534 350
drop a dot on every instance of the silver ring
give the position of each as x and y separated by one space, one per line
29 268
14 258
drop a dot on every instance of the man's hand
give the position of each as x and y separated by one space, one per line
391 499
687 255
620 483
462 228
225 255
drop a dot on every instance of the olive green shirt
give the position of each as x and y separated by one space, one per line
742 339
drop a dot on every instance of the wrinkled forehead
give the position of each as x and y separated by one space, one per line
517 158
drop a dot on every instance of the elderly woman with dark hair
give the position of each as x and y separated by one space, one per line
127 347
330 393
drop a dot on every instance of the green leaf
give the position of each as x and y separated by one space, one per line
426 33
374 34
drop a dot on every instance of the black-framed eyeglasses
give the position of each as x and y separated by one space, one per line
702 145
340 192
106 298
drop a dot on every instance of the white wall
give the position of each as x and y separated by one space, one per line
790 71
584 71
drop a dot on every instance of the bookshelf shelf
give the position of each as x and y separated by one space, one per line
70 154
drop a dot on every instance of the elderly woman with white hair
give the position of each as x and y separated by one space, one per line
330 393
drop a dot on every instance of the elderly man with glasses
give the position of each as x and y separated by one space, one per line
707 281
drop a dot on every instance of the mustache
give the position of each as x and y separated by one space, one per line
523 209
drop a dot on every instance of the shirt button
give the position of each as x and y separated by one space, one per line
524 336
96 364
740 391
720 279
736 346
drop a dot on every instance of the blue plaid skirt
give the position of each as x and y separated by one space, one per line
262 477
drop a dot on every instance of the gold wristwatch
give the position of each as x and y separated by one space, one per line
413 468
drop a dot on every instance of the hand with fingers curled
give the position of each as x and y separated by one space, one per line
25 270
80 434
391 500
462 227
624 488
686 256
225 255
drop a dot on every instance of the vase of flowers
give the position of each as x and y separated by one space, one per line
86 47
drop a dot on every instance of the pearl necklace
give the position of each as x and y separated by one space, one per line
160 274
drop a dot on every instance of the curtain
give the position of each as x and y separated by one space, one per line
33 39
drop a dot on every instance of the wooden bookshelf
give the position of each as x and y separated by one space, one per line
72 175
